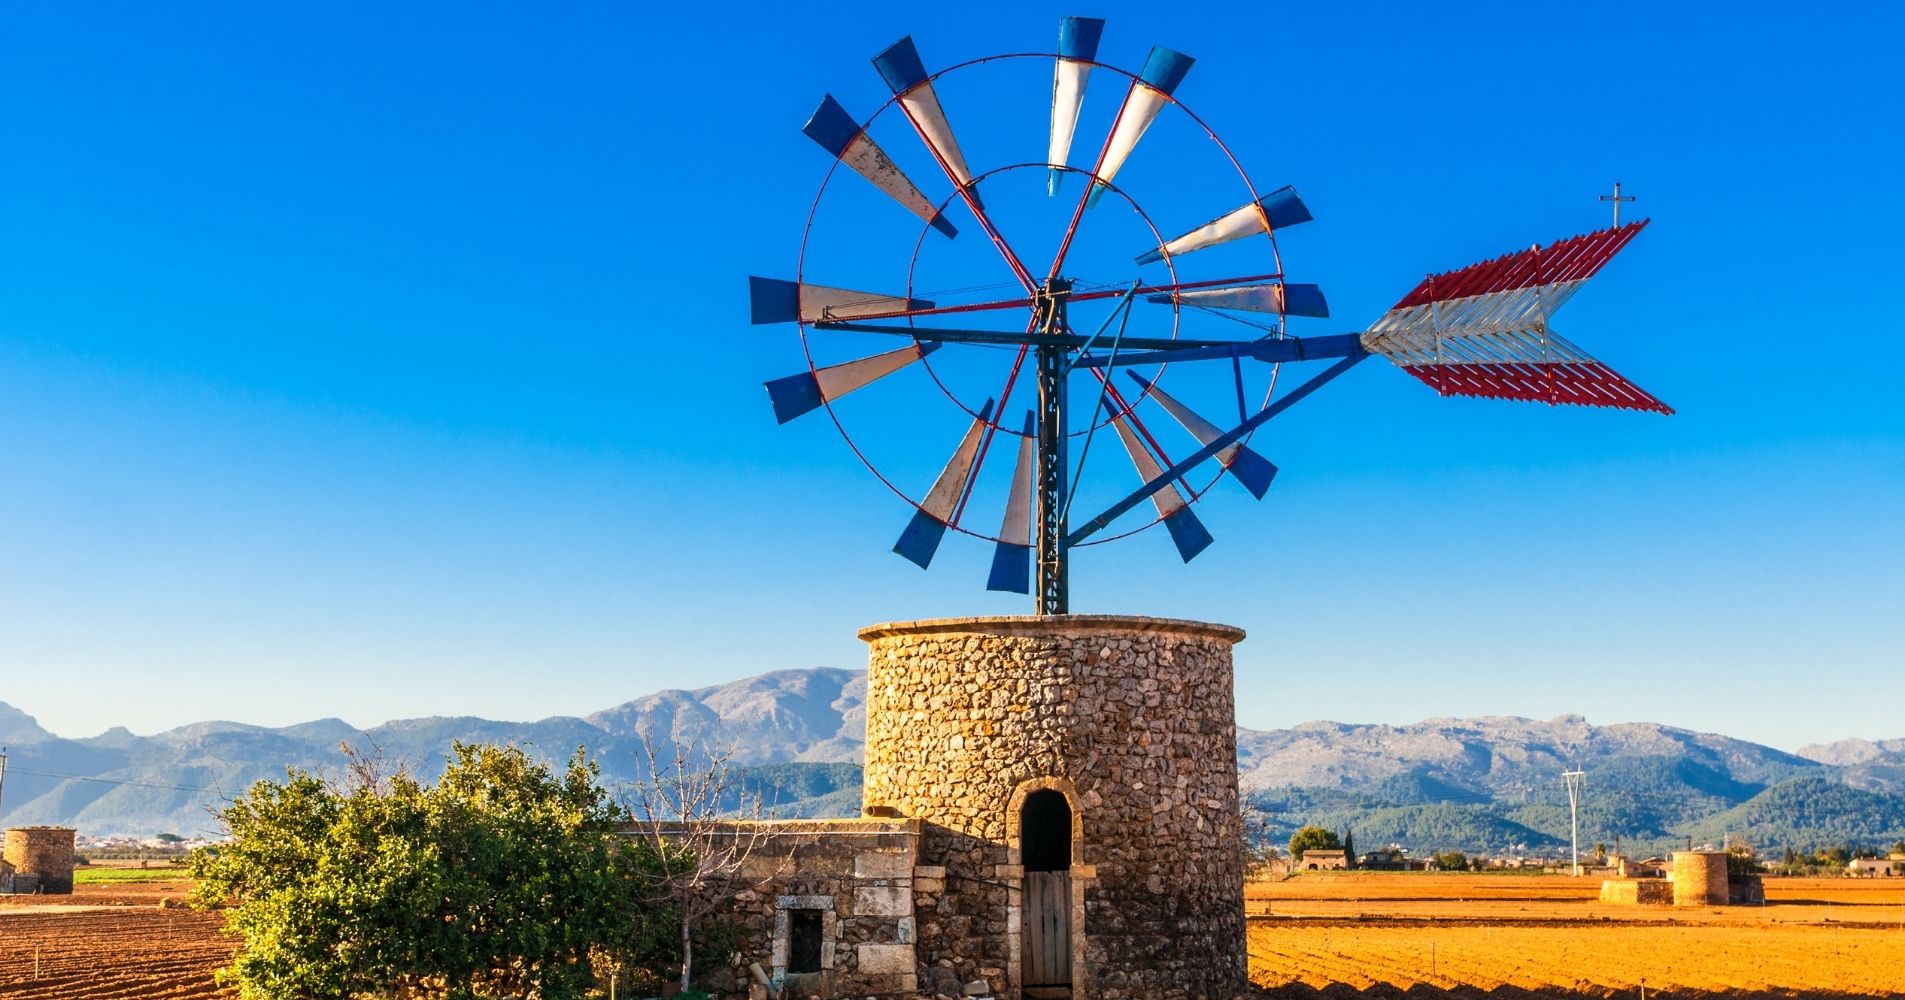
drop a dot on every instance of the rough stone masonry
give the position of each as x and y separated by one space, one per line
1133 720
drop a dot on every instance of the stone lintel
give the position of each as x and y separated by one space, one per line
883 865
885 959
882 901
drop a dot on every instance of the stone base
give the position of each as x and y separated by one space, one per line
1132 720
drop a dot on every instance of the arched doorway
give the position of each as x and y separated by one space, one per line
1045 848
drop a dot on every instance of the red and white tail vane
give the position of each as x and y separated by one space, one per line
1483 330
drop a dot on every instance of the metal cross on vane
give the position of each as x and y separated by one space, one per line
1616 198
1482 330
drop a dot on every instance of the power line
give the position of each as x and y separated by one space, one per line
116 781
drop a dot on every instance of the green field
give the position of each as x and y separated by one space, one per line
116 876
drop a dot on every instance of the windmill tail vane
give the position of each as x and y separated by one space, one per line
1483 330
1480 331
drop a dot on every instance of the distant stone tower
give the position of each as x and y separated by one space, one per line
1076 776
42 858
1699 878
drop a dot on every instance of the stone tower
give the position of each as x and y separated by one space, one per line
1076 777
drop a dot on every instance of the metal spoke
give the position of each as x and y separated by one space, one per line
1108 293
985 443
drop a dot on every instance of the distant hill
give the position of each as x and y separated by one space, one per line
1874 765
1484 784
1492 784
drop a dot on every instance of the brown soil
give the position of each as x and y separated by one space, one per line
107 942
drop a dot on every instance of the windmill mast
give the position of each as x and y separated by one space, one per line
1053 363
1573 778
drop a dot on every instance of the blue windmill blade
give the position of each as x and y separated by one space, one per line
1077 50
1187 532
805 392
921 538
774 300
1012 556
1163 70
900 66
1279 297
1280 209
839 133
1247 467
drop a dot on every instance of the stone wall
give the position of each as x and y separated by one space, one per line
1133 720
1637 891
43 853
858 873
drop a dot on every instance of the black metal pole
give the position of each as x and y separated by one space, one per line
1050 551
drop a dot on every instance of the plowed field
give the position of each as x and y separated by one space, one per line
1505 936
108 942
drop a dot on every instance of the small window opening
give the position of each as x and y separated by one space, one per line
1045 832
803 941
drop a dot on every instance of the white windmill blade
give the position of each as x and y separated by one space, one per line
1163 70
1283 298
794 395
1012 556
840 134
1187 532
1247 467
921 538
1277 210
1077 50
905 75
774 300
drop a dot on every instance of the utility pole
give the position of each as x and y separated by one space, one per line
1573 778
3 777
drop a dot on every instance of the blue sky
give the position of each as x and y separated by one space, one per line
375 361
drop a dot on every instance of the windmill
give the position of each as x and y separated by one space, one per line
1119 302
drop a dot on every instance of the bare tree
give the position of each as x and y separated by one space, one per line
706 827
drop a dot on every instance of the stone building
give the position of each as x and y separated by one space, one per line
1051 810
40 859
1318 859
1694 878
1699 878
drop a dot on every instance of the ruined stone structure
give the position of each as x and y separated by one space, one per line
1637 891
1051 811
1076 777
827 909
1699 878
1695 878
41 858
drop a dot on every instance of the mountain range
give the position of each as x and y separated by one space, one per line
1482 784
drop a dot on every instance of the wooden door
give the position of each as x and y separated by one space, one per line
1046 947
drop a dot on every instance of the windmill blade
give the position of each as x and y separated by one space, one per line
1249 468
921 538
772 300
807 391
1012 556
1274 211
1077 49
840 133
1280 297
1483 330
1187 532
1163 70
905 75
